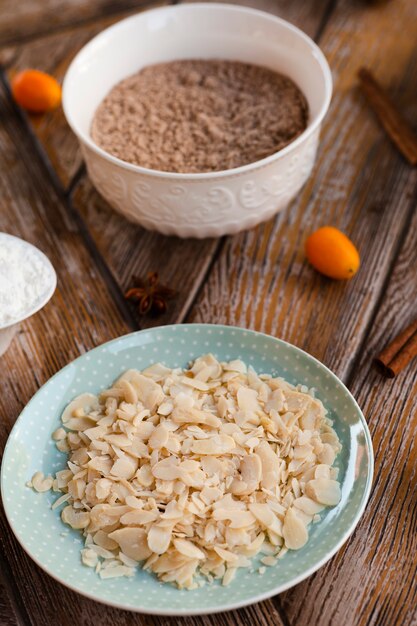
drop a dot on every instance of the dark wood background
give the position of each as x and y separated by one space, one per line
257 279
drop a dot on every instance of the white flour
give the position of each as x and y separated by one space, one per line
26 277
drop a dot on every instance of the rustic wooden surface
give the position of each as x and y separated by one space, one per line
257 279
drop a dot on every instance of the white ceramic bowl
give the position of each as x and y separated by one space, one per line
9 330
215 203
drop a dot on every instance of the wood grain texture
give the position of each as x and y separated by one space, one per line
53 54
80 316
132 251
260 280
371 582
308 15
360 184
25 19
364 186
8 615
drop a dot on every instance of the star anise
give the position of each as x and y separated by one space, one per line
151 296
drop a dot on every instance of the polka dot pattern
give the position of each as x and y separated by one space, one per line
57 549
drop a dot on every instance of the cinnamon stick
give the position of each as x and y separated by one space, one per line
399 352
395 125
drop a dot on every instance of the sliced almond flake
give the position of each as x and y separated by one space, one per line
166 469
89 557
307 505
111 394
59 434
235 366
242 561
102 552
216 445
276 507
61 500
327 454
127 560
228 502
129 391
134 502
79 423
124 467
251 469
195 416
133 542
194 383
263 513
165 408
247 399
157 372
159 437
116 572
268 548
159 538
188 549
173 511
253 548
271 465
238 518
282 552
304 517
103 540
324 490
226 555
139 517
229 576
149 562
269 561
294 531
167 562
149 392
121 441
85 402
41 483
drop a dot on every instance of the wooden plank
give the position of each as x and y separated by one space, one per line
80 315
8 614
32 18
128 250
307 15
53 54
360 184
132 251
48 341
373 578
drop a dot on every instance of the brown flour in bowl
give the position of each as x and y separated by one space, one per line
199 116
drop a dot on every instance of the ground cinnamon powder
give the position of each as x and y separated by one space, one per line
199 116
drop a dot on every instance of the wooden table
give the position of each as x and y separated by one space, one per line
257 279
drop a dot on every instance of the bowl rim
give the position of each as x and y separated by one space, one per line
232 604
86 139
48 293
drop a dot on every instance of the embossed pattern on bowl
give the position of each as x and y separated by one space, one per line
209 204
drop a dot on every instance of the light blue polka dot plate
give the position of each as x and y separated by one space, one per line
57 549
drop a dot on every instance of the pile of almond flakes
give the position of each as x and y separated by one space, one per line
193 472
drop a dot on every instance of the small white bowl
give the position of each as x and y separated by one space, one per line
215 203
9 330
